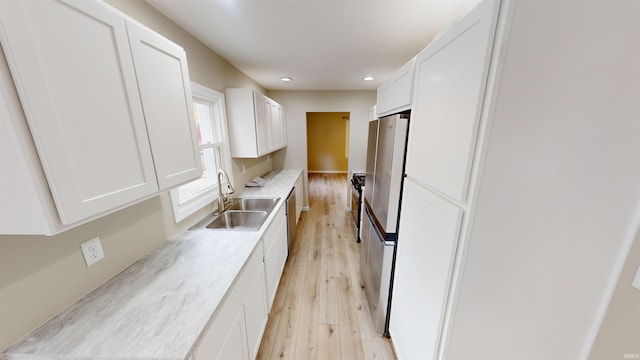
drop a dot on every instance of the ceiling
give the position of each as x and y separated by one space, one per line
321 44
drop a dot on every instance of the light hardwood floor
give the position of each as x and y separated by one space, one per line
320 310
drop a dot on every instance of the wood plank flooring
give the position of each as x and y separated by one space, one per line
320 310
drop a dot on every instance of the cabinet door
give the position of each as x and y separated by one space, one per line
447 101
234 346
383 100
396 94
274 127
278 126
74 73
262 112
239 317
427 240
283 126
275 247
269 119
255 312
165 89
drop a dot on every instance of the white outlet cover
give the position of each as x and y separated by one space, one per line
636 279
92 251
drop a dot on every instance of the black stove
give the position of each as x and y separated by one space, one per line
357 180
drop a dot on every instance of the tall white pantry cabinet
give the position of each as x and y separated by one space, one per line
108 105
522 181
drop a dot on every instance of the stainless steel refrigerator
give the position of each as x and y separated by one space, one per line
385 172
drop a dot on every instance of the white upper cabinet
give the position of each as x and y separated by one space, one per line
163 77
395 94
26 206
276 135
449 88
260 124
256 123
74 72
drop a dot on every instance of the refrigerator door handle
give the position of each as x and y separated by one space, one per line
377 231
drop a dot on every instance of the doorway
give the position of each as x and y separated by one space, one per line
328 142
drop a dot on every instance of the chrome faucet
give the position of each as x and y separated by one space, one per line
224 200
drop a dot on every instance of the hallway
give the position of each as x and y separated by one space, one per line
320 310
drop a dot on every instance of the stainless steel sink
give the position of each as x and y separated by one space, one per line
239 220
245 214
261 204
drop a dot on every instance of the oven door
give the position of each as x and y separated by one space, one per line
355 206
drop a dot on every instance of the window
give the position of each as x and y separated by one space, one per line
210 118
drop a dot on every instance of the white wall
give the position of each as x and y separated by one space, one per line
298 103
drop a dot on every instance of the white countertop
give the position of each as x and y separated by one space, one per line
158 307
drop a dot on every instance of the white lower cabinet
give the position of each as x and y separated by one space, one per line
427 240
236 330
255 312
235 344
276 252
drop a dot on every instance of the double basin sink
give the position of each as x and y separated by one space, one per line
244 214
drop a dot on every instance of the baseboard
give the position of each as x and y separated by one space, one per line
327 172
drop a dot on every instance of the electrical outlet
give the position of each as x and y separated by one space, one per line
92 251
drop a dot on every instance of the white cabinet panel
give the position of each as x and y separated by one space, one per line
226 338
256 313
236 330
449 88
395 95
75 77
270 119
262 129
276 129
235 345
299 196
165 89
276 251
24 184
427 240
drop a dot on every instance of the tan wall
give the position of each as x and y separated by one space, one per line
327 141
620 331
39 276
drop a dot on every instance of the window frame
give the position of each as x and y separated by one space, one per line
209 195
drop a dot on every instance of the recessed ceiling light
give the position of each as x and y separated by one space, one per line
286 79
368 78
